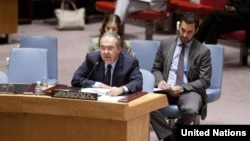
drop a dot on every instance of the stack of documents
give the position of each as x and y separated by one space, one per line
102 94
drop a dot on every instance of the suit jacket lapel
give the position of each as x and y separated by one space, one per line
192 51
100 70
117 70
169 58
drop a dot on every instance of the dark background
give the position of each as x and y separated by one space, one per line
43 9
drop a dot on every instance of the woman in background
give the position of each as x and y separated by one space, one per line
111 23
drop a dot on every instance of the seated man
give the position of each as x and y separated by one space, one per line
182 68
234 17
123 7
110 67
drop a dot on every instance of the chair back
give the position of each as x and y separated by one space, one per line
27 65
217 60
49 43
3 77
145 51
148 81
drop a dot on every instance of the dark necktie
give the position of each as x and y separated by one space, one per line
108 75
180 71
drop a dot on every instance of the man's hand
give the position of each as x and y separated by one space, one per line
115 91
175 91
163 85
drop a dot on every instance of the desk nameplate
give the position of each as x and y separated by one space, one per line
66 93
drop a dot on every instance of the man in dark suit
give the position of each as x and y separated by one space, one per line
125 71
235 16
190 93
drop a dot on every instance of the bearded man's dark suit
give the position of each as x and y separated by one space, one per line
126 72
198 76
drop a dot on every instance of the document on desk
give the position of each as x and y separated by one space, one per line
100 91
158 90
102 94
108 98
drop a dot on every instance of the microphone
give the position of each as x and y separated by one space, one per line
75 92
91 72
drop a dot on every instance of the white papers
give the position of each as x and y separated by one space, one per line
102 94
99 91
157 89
108 98
161 90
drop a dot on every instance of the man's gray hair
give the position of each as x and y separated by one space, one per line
112 34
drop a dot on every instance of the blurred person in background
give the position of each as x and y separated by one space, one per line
111 23
235 16
124 7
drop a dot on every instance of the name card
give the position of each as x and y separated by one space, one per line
65 93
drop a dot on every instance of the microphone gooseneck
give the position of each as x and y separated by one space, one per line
91 72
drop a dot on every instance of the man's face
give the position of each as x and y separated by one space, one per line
109 49
186 31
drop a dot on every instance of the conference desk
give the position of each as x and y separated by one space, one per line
45 118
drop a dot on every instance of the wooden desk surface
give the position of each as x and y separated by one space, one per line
17 103
45 118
